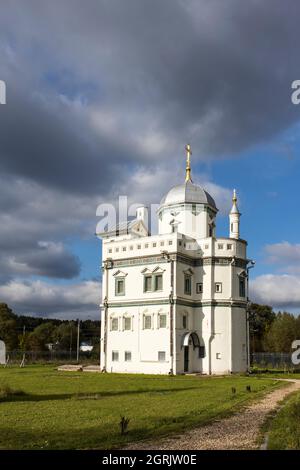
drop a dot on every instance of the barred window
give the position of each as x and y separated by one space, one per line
115 356
120 286
147 322
127 323
242 287
161 356
114 324
162 321
147 283
158 282
127 356
187 284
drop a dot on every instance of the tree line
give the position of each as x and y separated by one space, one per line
25 333
269 331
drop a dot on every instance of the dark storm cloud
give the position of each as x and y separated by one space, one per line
212 72
47 259
101 91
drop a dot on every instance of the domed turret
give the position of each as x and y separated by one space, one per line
189 193
187 208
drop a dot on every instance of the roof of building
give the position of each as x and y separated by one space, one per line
188 193
123 228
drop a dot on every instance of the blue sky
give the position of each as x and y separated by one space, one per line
101 100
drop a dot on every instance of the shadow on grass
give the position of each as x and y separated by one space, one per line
91 396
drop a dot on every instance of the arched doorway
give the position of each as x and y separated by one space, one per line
190 339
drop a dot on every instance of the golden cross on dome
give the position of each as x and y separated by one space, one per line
188 163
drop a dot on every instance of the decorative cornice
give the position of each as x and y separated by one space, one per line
180 257
179 301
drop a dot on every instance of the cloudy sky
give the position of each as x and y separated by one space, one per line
103 95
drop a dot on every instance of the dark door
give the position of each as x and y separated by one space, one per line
186 358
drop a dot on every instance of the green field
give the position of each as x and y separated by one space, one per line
284 429
67 410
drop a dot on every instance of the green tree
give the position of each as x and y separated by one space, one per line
283 331
41 336
261 318
65 336
8 327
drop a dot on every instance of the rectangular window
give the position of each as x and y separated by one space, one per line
139 247
161 356
206 247
199 288
110 250
147 283
242 287
162 243
184 322
220 246
115 356
218 287
117 250
120 286
187 285
162 321
147 322
154 244
114 324
127 356
218 355
131 247
127 323
170 242
158 284
229 246
194 209
124 248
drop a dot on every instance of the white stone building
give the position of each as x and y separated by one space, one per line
176 302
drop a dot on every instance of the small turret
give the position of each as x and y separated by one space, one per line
234 218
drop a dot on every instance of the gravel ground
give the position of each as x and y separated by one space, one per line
237 432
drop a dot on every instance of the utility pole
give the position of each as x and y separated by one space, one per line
78 330
71 339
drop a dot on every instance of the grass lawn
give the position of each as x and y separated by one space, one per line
80 410
284 429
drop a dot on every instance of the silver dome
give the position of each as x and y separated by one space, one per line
188 193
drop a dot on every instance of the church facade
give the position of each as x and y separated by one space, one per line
176 302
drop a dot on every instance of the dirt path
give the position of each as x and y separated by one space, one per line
239 431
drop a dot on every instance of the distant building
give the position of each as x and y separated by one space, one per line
86 347
176 302
2 352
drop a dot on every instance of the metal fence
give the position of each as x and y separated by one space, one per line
51 356
273 360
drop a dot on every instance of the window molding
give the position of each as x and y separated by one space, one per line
115 356
199 287
187 284
218 287
161 356
114 321
119 280
127 356
160 316
146 324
